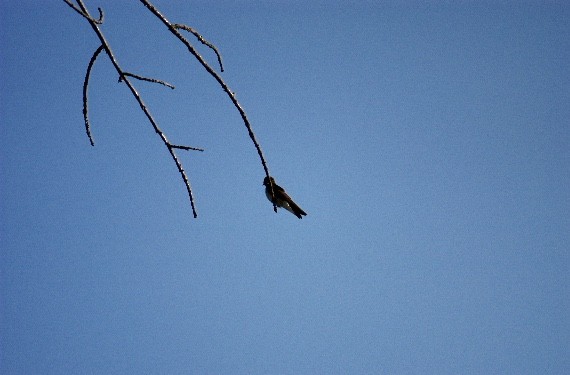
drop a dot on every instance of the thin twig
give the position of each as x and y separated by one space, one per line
202 40
217 77
86 15
85 85
146 79
168 145
187 148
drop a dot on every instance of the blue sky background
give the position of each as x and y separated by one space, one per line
429 143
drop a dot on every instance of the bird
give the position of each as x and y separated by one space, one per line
282 199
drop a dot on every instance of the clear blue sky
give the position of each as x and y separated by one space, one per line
429 143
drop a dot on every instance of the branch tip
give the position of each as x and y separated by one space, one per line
85 86
186 148
202 40
153 80
85 14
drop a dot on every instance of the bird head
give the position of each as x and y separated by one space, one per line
267 179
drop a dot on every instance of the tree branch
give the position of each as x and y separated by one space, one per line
146 79
187 148
85 14
202 40
85 85
123 77
174 30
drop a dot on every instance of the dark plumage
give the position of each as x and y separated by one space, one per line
282 199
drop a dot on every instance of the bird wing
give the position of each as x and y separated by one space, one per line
295 209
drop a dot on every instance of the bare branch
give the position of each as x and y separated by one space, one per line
124 77
146 79
217 77
202 40
187 148
85 14
105 45
85 85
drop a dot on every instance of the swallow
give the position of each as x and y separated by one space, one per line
282 199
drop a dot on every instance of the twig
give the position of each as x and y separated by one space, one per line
146 79
173 29
85 85
86 15
202 40
187 148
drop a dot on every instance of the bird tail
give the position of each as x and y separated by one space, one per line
296 210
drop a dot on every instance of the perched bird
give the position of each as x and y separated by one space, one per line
282 199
